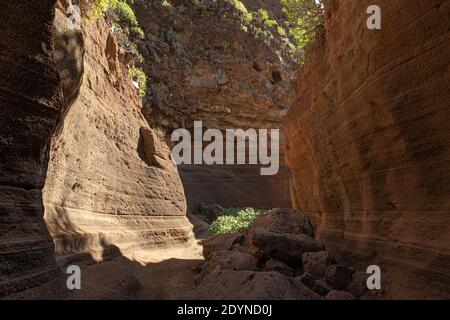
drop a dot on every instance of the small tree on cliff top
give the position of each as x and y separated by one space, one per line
303 17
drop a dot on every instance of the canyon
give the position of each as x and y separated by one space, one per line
87 177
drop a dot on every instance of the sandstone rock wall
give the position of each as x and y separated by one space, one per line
30 103
74 144
110 182
205 64
369 145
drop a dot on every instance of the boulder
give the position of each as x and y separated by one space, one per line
278 266
317 262
320 286
285 221
221 242
339 276
285 247
232 260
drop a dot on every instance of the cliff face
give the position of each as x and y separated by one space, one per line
110 182
73 141
368 141
206 64
30 103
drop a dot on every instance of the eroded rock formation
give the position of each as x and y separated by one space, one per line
73 140
368 141
111 183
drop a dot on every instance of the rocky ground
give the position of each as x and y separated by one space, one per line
272 260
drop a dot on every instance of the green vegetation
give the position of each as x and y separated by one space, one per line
235 219
137 32
138 75
247 15
120 8
121 17
303 17
266 18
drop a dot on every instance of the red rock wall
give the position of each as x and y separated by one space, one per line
110 184
30 104
369 141
202 65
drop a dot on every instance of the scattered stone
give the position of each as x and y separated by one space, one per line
317 262
339 295
358 286
339 276
220 242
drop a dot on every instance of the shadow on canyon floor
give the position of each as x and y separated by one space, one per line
123 278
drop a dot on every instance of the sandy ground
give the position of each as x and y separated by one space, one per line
146 274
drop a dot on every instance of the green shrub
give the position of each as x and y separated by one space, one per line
137 32
243 9
119 8
235 219
139 76
267 20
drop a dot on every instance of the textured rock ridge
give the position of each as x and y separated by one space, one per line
111 183
30 104
368 141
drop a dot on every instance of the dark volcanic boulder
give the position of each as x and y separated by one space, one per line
285 221
285 247
221 242
339 276
320 286
317 262
228 260
278 266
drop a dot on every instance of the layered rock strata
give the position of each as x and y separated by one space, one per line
111 183
204 64
368 141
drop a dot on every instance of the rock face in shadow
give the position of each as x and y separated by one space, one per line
205 65
111 180
368 141
30 104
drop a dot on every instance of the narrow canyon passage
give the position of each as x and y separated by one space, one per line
87 177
